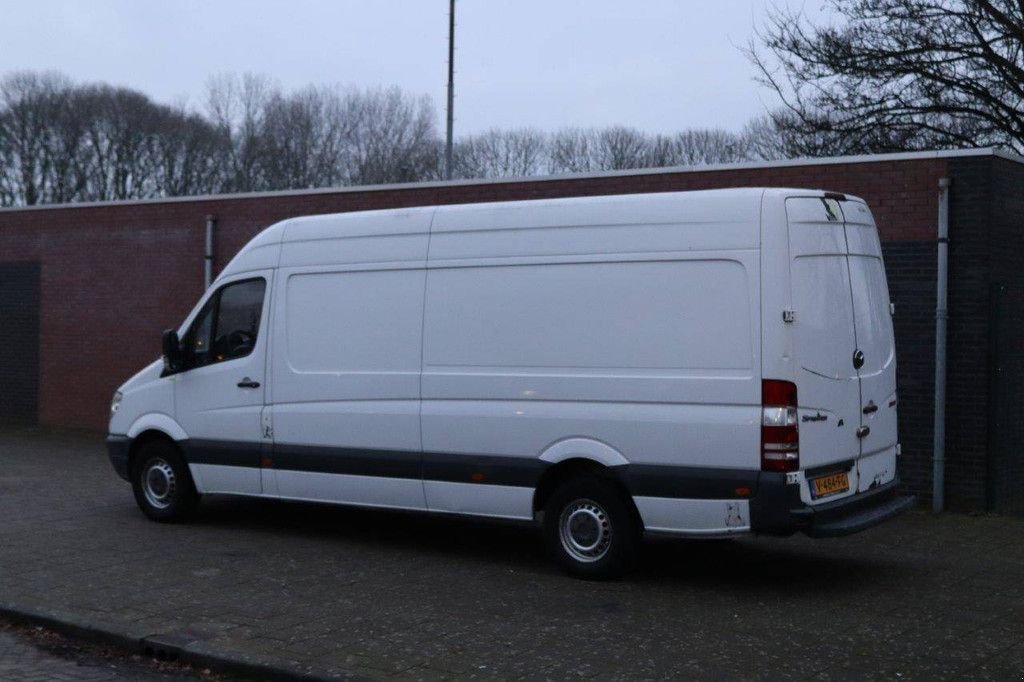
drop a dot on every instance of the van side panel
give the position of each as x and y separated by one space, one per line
346 361
635 325
642 317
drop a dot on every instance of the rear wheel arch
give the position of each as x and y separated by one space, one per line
579 467
583 448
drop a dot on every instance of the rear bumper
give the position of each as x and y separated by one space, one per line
117 449
778 510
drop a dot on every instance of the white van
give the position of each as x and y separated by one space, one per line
688 364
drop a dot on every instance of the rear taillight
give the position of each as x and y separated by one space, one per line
780 440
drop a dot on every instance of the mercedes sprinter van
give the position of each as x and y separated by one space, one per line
687 364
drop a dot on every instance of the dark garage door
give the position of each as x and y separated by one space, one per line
19 342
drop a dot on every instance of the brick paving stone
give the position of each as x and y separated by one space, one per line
380 595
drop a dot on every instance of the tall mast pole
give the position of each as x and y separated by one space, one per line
451 90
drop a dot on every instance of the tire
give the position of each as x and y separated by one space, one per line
162 484
591 529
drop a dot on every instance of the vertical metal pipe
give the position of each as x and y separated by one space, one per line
941 317
451 90
208 253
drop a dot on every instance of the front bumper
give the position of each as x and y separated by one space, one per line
117 448
778 510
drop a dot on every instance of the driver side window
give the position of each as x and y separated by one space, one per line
227 326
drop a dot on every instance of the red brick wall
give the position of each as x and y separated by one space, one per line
114 276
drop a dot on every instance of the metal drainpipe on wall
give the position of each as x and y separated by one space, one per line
211 222
941 317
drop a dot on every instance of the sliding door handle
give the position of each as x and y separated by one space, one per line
248 383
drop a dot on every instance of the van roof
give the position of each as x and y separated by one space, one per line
689 199
711 206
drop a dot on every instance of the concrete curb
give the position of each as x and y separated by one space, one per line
169 647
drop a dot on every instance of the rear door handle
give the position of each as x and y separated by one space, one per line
248 383
863 431
870 407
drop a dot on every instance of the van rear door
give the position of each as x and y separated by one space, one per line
824 338
873 324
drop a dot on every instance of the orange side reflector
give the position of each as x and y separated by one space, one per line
266 462
743 491
477 477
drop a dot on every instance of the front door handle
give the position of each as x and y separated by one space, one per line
248 383
870 407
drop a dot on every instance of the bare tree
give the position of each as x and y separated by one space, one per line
763 140
574 150
306 137
68 175
501 153
61 142
571 151
189 154
121 133
65 142
621 148
899 74
780 135
698 147
320 136
28 106
237 106
393 137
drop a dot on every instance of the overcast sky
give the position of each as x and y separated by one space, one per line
659 65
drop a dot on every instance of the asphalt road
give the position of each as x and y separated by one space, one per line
352 592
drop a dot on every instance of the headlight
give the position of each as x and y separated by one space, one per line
115 402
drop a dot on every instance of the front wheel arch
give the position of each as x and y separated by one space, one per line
144 439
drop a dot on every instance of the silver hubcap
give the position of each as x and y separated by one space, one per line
585 530
158 483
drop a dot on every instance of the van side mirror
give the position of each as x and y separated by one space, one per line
172 351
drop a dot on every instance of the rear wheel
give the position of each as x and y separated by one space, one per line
162 483
590 529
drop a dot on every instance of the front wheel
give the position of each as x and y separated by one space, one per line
162 483
590 529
